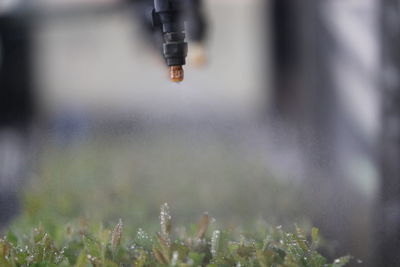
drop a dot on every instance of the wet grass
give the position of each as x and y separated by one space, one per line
196 245
80 191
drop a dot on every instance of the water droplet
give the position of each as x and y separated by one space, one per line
142 235
215 242
165 219
174 258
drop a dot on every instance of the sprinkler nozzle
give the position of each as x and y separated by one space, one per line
176 73
167 16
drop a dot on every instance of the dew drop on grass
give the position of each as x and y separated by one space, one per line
116 235
174 258
215 242
165 219
142 235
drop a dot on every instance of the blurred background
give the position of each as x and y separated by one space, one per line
288 113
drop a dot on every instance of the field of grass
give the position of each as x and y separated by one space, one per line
84 245
80 192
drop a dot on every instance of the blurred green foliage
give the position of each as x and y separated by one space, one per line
198 245
99 181
127 177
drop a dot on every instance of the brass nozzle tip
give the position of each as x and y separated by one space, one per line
176 73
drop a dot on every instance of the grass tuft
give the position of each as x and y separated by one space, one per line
83 246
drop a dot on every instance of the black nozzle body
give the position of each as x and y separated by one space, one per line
168 16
